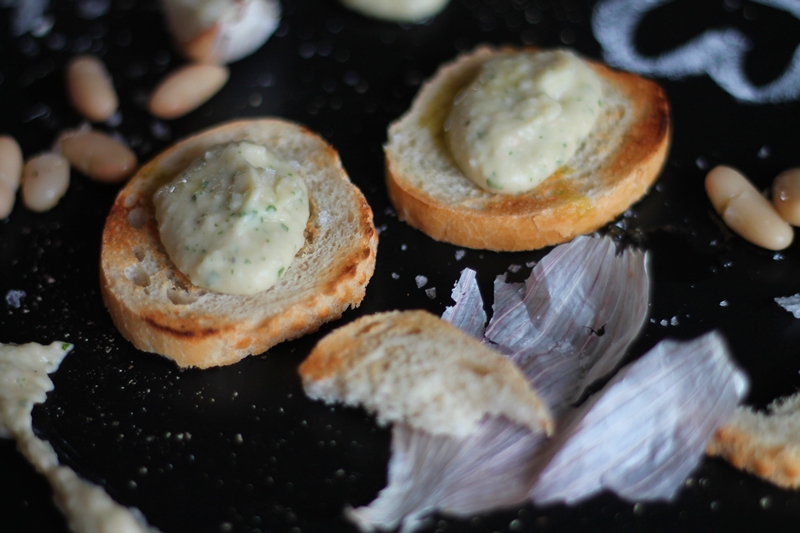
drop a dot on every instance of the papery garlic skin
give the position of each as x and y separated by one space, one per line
430 473
647 430
221 31
467 314
574 318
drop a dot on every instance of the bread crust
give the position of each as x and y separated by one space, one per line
764 444
159 310
773 463
577 199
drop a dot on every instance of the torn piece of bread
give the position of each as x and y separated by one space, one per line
415 368
613 167
159 310
220 31
764 444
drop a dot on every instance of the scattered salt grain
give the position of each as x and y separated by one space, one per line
160 130
421 281
460 254
790 303
255 100
14 298
514 268
395 275
114 120
723 303
431 293
307 50
324 218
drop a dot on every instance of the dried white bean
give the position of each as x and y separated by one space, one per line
745 210
10 162
90 88
10 173
786 195
45 179
97 155
186 89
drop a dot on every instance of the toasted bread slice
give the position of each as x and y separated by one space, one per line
415 368
159 310
612 169
767 445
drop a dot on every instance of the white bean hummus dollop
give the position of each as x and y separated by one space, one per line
235 219
397 10
522 118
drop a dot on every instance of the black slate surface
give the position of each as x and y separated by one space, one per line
240 448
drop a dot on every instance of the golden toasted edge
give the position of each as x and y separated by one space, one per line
212 340
515 223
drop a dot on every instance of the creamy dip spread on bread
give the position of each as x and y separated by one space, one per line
397 10
235 219
23 383
524 116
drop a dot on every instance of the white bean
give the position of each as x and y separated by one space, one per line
745 210
786 195
10 173
10 161
90 88
45 179
97 155
186 89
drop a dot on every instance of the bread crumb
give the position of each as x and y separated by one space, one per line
14 298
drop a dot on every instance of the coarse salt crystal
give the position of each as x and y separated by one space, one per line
790 303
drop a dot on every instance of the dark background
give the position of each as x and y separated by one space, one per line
240 448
